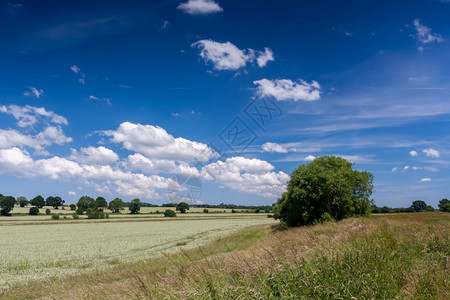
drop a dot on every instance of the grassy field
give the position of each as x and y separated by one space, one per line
401 256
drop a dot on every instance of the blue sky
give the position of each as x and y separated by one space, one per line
139 98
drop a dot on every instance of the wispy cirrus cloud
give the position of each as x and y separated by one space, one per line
286 89
33 92
424 33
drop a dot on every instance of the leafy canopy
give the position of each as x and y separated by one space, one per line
326 188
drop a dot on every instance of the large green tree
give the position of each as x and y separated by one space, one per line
85 202
325 188
419 205
54 201
22 201
444 205
38 201
6 204
115 205
101 203
135 206
182 207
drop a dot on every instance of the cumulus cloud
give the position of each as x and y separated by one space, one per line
72 193
425 179
286 89
200 7
29 115
104 178
139 162
247 175
155 142
274 147
432 153
413 153
32 91
424 33
93 155
226 56
310 158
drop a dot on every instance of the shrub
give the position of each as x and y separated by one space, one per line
75 216
47 211
79 211
73 207
55 217
205 211
34 211
170 213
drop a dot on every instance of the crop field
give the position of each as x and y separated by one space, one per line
54 249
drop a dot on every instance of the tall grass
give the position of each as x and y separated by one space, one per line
387 257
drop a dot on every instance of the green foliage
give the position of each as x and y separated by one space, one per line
429 208
444 205
170 213
135 206
101 203
22 201
182 207
95 214
55 217
85 202
419 206
116 205
54 201
327 184
47 211
79 211
205 211
75 216
38 201
73 207
6 204
34 211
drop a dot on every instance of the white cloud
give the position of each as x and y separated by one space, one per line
164 25
406 168
274 147
247 175
93 155
265 57
200 7
394 169
72 193
103 178
285 89
30 115
425 179
139 162
431 153
413 153
32 91
77 71
155 142
226 56
310 158
424 33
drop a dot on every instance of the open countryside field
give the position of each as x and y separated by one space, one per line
392 256
54 249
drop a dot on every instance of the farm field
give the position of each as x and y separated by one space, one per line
54 249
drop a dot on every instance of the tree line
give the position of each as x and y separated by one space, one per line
416 206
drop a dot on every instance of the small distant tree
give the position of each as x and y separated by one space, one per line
73 207
86 202
419 206
34 210
170 213
101 203
54 201
6 205
38 201
429 208
79 211
182 207
116 205
47 211
135 206
444 205
22 201
205 211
